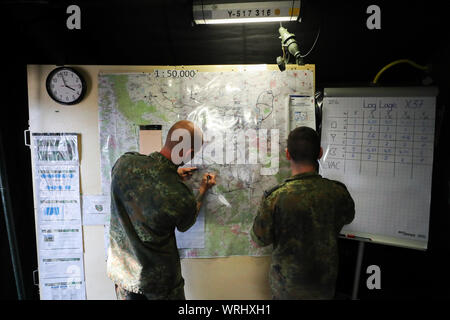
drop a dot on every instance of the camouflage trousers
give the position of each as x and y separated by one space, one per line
122 294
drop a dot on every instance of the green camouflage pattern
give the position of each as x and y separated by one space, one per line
302 218
148 200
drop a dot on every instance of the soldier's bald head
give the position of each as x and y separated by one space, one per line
182 136
173 136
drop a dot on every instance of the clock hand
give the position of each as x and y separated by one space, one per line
65 84
64 81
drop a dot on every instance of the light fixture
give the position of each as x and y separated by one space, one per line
290 48
215 12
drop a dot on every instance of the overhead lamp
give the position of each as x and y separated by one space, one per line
213 12
290 48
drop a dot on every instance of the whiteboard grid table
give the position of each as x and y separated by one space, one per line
379 142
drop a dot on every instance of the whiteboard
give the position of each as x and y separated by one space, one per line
379 142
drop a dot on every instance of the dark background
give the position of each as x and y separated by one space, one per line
161 33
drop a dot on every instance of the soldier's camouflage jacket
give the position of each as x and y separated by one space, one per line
302 218
148 200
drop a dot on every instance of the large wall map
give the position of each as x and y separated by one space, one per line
222 103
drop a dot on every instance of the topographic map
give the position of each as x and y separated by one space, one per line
222 104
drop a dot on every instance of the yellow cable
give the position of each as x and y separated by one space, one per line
415 65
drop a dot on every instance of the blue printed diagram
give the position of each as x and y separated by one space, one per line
60 188
52 211
49 238
61 209
58 180
58 177
300 116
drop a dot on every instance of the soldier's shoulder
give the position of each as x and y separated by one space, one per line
127 156
132 154
335 183
128 159
274 190
134 157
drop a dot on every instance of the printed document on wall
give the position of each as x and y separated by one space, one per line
57 195
302 111
195 236
96 209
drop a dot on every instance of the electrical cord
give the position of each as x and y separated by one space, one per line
314 44
305 55
412 63
203 13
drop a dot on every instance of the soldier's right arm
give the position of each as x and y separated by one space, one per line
346 206
185 208
189 206
262 230
349 209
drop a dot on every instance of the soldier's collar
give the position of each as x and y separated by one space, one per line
164 160
302 176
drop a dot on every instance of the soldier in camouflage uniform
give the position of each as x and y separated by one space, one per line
302 218
148 200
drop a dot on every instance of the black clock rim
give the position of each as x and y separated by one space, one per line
83 85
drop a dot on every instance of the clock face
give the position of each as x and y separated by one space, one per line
66 86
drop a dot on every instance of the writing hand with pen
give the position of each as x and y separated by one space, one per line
208 181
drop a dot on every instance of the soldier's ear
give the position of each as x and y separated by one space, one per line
288 155
320 153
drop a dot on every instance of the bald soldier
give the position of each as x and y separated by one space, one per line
302 218
148 200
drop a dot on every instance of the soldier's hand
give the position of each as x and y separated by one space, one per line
186 173
208 180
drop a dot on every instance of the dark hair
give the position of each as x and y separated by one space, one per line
304 145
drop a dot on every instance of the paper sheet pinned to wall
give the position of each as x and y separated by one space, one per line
60 239
195 236
96 209
302 111
63 289
61 265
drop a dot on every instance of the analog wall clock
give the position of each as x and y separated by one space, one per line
65 85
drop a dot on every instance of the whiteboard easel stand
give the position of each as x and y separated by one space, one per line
358 266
